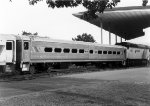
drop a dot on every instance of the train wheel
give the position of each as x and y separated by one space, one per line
32 70
2 69
124 63
98 65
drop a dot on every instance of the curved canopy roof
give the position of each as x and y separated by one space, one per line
126 22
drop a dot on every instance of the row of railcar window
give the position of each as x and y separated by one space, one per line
67 50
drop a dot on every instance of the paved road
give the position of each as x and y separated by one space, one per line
113 88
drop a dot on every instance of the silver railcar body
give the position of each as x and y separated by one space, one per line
84 51
25 52
136 53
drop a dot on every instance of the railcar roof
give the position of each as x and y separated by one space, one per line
128 44
9 36
13 37
47 39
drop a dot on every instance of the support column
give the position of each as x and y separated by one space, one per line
121 39
109 38
101 24
109 34
116 38
100 15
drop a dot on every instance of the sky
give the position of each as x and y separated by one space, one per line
18 16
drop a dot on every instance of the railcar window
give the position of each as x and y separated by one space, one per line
66 50
104 52
91 51
8 45
48 49
114 52
99 52
109 52
118 52
26 45
57 50
81 50
74 50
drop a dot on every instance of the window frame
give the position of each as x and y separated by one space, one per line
91 52
114 52
109 52
9 47
73 50
118 53
26 45
105 52
59 50
50 51
100 52
81 51
66 50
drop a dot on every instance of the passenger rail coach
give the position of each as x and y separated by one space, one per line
136 53
30 53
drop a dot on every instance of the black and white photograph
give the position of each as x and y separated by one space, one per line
74 53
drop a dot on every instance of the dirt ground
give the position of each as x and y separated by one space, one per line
128 87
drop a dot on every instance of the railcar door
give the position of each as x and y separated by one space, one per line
9 51
26 51
93 53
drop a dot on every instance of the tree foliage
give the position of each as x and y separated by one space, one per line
29 33
144 2
84 37
92 6
89 4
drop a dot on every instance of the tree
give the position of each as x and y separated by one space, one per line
84 37
144 2
29 33
92 6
